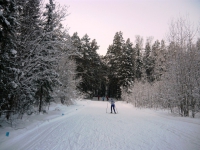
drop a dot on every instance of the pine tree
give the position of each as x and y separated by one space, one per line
28 33
148 62
98 77
83 67
131 51
162 58
126 67
109 61
30 47
154 54
8 53
46 76
88 65
114 54
80 62
76 42
138 59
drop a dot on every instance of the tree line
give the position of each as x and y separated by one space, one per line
41 63
151 74
123 64
35 63
175 69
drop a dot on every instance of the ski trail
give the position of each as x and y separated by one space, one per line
91 128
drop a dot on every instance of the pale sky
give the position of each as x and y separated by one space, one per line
101 19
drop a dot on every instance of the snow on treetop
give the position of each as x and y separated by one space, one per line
14 85
7 23
14 52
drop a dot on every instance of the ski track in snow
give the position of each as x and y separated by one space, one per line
91 128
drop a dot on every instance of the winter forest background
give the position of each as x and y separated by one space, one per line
41 63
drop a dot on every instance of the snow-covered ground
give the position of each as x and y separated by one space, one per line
87 126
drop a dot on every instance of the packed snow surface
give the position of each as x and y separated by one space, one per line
87 126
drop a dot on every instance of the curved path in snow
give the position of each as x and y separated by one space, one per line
91 128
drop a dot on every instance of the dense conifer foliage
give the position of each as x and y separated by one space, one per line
32 45
40 63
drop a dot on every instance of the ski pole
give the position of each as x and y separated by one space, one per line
116 109
107 107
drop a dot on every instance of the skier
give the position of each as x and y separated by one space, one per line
112 105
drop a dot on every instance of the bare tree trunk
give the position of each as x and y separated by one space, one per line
40 104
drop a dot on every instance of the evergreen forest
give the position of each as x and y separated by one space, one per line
41 63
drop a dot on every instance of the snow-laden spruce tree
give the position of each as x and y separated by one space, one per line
88 65
154 54
42 41
80 62
48 54
114 53
161 61
83 67
8 53
138 57
33 44
27 41
98 74
148 63
126 67
110 58
121 61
